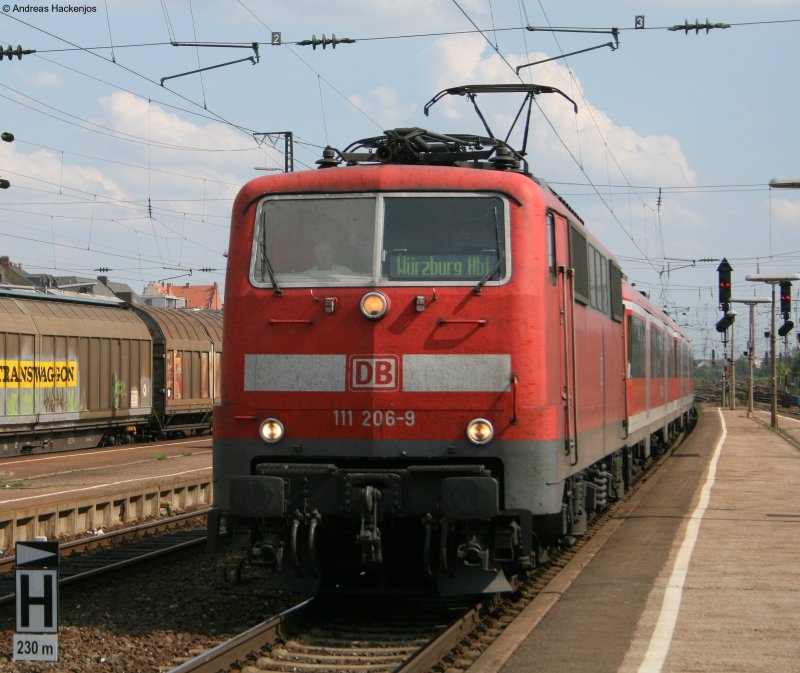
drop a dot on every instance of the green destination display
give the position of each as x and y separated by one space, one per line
420 266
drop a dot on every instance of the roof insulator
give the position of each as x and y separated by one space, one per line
503 159
329 158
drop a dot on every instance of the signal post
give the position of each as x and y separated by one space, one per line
724 270
785 282
751 344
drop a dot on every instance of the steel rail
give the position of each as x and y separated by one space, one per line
226 654
431 654
90 542
109 540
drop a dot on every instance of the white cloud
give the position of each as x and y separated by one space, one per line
43 79
786 212
45 170
101 206
386 104
166 171
146 120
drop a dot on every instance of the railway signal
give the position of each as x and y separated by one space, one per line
726 321
786 308
784 329
724 270
786 299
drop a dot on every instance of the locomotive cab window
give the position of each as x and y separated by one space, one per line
380 239
314 241
443 239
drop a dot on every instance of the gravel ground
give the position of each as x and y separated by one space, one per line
148 619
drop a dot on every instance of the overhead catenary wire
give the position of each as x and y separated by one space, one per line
414 36
110 39
558 136
610 192
197 51
131 71
312 69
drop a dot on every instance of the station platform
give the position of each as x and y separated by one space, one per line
60 495
698 572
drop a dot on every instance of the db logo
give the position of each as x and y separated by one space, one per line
373 373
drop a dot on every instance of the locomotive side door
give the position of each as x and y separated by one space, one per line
562 273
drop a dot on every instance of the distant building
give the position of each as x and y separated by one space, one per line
121 290
183 296
155 294
11 273
161 296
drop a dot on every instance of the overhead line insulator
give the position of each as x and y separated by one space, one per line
324 41
19 52
697 26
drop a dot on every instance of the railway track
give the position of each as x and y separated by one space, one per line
379 634
762 397
382 634
91 556
407 634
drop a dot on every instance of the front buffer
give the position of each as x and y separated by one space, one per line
325 525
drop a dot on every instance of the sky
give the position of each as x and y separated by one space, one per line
124 165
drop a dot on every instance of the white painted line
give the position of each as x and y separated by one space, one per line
661 640
793 419
111 483
61 455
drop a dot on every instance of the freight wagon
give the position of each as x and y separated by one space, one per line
84 372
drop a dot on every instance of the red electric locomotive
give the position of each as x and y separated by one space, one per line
432 368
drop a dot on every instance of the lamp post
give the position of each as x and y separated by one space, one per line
792 182
6 137
773 279
751 344
785 183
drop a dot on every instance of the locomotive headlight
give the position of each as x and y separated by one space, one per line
374 305
480 431
271 430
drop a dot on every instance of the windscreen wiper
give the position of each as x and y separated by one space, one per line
501 255
266 264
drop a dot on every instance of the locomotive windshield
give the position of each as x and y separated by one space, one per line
321 240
